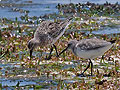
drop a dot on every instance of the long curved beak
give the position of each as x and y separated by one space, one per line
31 53
63 50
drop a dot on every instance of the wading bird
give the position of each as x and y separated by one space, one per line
89 49
48 33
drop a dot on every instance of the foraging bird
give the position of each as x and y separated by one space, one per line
48 33
89 49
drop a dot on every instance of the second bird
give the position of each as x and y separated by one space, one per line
89 49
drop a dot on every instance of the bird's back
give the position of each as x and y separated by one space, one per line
53 30
91 44
91 48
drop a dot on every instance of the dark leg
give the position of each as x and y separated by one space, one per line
56 50
90 62
49 57
86 67
91 66
82 74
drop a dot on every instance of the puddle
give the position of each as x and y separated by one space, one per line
108 30
105 30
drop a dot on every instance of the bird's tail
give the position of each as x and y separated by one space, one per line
112 41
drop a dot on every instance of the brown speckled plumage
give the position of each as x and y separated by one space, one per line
48 33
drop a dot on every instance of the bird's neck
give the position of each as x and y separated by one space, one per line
36 42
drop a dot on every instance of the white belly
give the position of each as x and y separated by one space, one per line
91 54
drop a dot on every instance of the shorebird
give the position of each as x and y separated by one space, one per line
89 49
48 33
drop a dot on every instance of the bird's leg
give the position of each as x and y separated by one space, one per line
56 50
49 57
86 67
91 66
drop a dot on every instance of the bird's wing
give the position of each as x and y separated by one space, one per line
43 28
57 28
51 29
91 44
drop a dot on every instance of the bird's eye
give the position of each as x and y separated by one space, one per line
69 44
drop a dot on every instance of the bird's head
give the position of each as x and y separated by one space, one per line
31 45
70 45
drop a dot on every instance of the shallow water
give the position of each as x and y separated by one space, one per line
37 7
108 30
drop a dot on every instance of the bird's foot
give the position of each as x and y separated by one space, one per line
107 75
48 58
91 75
57 55
81 75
